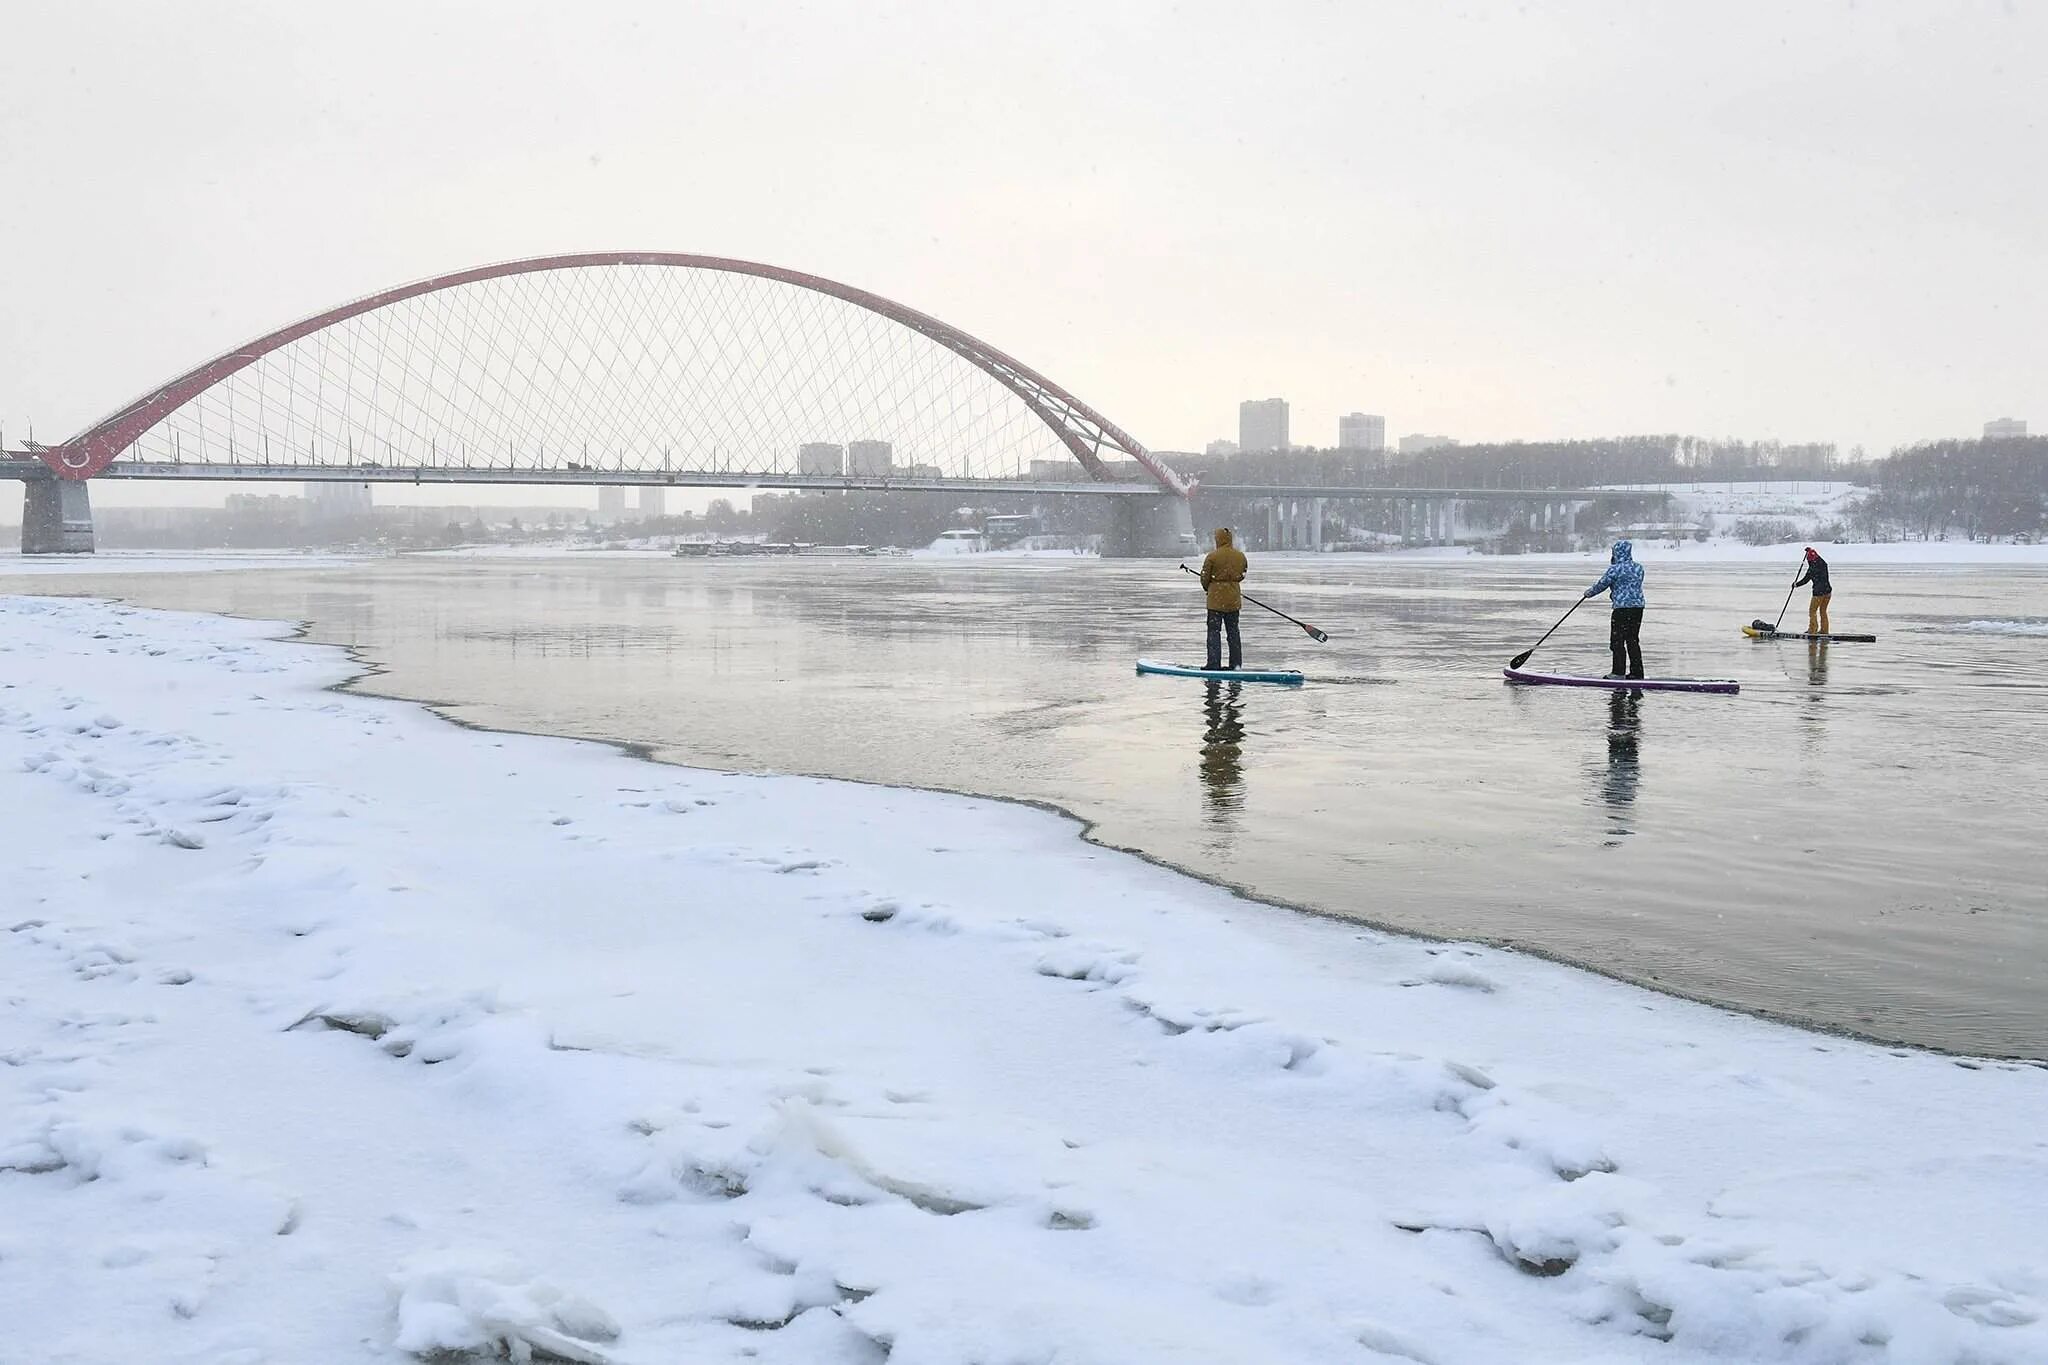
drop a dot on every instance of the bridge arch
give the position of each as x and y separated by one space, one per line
1083 432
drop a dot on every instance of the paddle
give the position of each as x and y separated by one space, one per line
1788 596
1523 657
1318 636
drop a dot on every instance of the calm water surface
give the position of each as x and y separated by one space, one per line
1855 840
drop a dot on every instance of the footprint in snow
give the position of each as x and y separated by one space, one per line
1454 974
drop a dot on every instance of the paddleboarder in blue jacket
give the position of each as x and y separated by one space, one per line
1624 578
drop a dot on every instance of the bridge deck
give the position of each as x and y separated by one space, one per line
15 468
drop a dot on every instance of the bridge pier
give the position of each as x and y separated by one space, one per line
56 517
1150 528
1294 524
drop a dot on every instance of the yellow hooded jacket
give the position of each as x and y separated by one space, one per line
1222 570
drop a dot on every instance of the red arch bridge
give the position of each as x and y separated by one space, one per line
641 368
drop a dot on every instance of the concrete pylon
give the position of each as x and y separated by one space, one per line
56 517
1150 528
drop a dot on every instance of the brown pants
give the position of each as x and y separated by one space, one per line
1817 614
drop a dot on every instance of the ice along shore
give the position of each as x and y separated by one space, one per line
339 1032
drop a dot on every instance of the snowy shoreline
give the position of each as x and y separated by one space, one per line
345 1031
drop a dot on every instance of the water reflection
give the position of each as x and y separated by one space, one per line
1223 751
1618 787
1813 713
1817 662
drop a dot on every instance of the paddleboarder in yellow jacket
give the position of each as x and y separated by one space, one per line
1222 570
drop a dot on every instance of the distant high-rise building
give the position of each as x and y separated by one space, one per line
869 459
1056 471
611 502
1219 448
821 457
653 502
327 502
1417 444
1361 431
1262 424
2004 428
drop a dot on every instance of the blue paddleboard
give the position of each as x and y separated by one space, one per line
1265 675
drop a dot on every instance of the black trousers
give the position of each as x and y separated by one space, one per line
1226 622
1625 638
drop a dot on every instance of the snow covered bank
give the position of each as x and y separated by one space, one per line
337 1032
1062 552
549 549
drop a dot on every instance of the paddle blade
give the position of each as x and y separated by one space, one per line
1521 658
1318 636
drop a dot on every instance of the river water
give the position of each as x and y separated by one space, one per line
1855 841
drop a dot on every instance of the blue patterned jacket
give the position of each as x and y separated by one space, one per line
1624 577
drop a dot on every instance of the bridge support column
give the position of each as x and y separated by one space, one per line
1315 525
56 517
1146 528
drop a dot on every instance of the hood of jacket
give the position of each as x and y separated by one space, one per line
1623 552
1222 537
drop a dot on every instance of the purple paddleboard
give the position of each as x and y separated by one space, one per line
1624 684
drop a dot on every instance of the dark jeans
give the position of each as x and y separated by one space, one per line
1226 621
1624 637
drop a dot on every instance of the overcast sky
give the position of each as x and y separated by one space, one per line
1819 221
